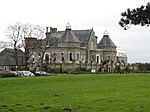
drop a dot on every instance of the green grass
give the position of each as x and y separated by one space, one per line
80 93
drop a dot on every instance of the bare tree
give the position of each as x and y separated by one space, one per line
14 33
31 31
40 46
17 34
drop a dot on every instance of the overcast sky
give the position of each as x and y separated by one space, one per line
100 15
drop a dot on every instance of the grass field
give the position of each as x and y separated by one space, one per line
80 93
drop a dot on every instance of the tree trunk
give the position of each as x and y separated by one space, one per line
16 58
26 58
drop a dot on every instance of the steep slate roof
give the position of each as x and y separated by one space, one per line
7 58
69 36
11 51
106 41
82 35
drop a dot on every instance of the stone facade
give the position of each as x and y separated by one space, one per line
73 49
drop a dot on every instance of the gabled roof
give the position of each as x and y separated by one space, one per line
106 41
8 51
7 57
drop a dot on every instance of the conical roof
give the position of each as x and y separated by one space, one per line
68 35
106 41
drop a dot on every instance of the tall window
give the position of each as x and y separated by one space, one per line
78 56
70 56
62 57
54 55
46 57
97 59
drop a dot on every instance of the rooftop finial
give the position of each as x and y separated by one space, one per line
68 26
106 32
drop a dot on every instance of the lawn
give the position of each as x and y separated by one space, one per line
80 93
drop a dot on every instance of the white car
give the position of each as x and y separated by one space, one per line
41 73
27 74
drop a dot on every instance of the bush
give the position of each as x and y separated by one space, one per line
53 70
7 74
72 70
68 70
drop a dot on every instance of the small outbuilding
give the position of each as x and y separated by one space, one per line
10 60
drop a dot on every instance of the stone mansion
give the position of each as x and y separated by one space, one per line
73 49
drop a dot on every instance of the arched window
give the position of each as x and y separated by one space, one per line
46 57
97 59
62 57
70 56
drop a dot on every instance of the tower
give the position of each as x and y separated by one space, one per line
109 51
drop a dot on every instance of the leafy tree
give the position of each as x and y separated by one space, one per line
136 16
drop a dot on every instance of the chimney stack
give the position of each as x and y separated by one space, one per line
53 30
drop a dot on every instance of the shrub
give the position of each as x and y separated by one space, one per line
7 74
69 70
53 70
